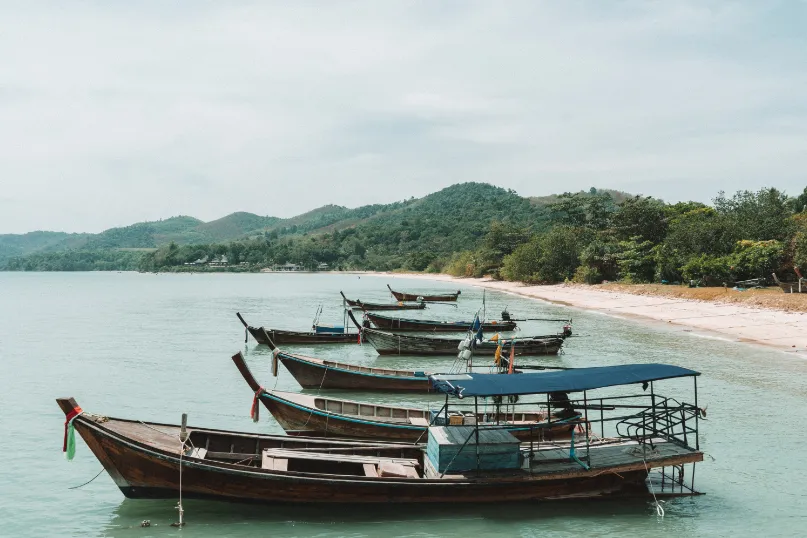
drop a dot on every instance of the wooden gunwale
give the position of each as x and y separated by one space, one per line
316 373
297 411
383 306
387 343
407 296
270 337
404 324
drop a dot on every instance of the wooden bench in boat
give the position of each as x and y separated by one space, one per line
419 421
274 464
277 459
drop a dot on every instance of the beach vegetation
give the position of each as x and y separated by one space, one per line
466 230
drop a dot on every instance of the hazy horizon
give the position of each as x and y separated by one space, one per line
123 113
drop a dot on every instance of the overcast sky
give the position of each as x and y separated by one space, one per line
118 112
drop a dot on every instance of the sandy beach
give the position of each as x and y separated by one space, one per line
775 328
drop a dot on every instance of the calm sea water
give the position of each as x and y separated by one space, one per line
153 346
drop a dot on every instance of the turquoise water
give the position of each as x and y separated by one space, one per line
154 346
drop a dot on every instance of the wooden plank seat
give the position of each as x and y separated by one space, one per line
324 456
392 469
418 421
370 469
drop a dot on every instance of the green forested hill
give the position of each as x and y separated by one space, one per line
467 229
407 233
415 234
12 245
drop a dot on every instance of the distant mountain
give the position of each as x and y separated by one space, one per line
442 222
182 230
12 245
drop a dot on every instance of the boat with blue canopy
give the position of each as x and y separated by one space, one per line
646 443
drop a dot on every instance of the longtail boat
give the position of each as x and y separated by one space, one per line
313 373
427 325
387 343
382 306
655 437
420 297
276 336
304 414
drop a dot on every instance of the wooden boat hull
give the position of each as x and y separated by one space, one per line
296 417
319 374
382 306
399 344
145 461
400 324
404 296
141 472
793 287
302 414
272 337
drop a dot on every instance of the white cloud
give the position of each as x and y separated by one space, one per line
113 114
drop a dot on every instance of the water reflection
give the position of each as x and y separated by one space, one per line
213 518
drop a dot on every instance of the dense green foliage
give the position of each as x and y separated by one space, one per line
471 229
78 260
641 239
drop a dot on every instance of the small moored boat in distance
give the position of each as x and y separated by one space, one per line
792 287
391 323
409 296
320 335
387 343
382 306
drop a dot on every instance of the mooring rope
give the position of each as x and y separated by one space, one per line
659 509
90 480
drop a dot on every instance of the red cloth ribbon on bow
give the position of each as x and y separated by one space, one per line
254 411
70 416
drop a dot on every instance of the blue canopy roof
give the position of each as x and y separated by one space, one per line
573 380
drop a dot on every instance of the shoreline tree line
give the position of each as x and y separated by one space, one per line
476 229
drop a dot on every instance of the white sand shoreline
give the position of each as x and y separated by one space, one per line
785 331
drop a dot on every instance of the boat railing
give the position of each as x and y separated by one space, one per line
666 419
638 417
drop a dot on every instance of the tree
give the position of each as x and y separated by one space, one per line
759 216
522 264
503 238
583 210
799 203
755 259
642 217
598 261
636 261
700 231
